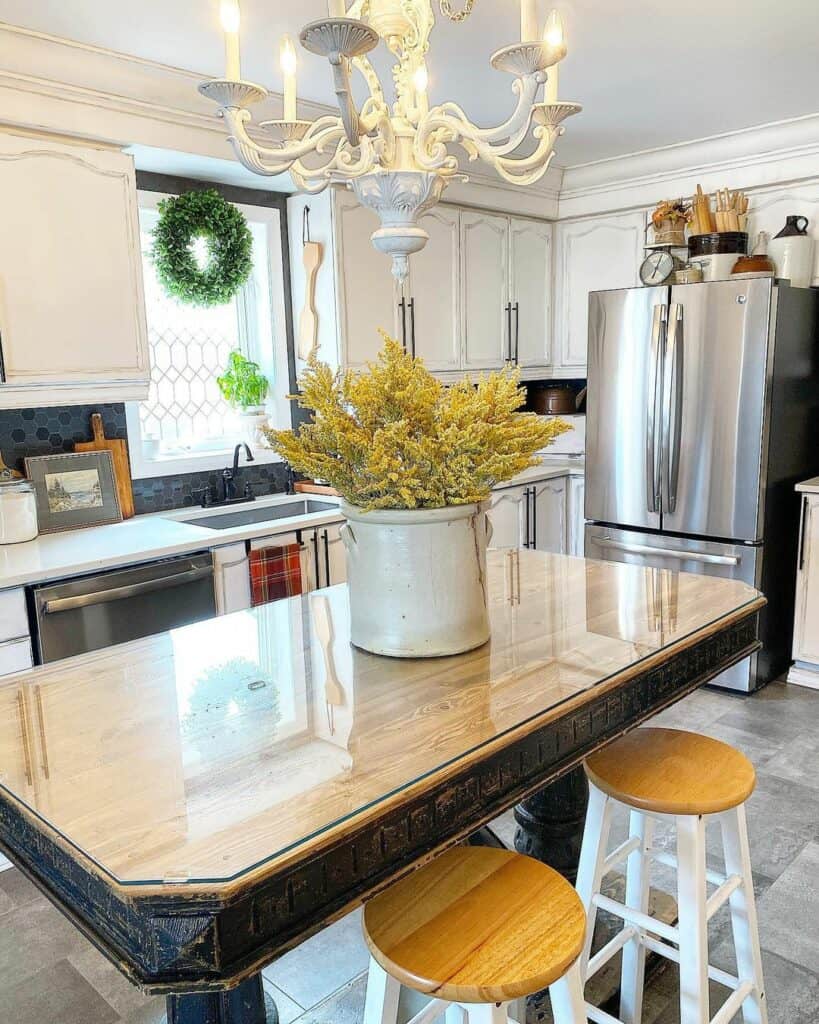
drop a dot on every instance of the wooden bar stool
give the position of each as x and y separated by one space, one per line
475 929
691 780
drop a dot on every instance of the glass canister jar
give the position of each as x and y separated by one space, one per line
18 511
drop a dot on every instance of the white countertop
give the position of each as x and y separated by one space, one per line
158 535
809 486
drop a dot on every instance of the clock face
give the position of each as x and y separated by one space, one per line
657 267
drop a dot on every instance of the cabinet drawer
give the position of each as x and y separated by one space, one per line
15 656
13 616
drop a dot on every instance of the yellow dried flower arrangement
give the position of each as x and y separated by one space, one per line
396 437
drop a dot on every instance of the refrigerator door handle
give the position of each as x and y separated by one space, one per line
672 405
647 549
652 448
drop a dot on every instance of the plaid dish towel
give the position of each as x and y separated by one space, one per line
275 573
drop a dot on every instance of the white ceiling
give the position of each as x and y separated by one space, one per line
648 73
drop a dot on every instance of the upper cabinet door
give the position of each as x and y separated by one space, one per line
591 255
484 289
367 294
432 313
531 265
72 310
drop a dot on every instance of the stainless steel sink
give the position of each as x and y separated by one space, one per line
262 514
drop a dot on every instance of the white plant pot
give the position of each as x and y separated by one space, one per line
417 579
251 421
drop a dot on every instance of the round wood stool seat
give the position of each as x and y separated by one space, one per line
668 771
477 925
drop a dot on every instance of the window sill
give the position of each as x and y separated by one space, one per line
143 468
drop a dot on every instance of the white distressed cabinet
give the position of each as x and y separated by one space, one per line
590 255
507 514
430 313
485 290
576 515
530 289
806 625
72 312
548 531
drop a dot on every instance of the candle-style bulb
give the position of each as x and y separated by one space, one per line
229 16
420 79
287 56
554 33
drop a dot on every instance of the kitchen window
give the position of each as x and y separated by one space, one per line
185 425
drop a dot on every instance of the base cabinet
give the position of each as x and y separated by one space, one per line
806 625
508 512
576 517
546 515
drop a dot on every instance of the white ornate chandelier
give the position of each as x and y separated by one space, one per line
397 158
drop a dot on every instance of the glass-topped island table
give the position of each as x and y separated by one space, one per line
201 801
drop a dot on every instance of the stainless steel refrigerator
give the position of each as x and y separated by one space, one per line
703 412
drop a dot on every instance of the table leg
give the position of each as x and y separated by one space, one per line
244 1004
550 823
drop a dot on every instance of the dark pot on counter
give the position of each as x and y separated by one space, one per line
553 400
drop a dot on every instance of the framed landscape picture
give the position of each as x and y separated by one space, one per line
74 491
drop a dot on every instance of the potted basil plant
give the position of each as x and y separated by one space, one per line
245 387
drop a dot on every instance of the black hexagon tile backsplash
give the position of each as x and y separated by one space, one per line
28 432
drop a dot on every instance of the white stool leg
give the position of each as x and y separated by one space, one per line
566 994
743 913
592 858
381 1003
638 878
455 1014
487 1013
693 923
517 1010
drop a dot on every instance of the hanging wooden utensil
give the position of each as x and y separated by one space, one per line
312 255
119 456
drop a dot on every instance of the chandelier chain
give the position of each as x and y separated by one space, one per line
462 15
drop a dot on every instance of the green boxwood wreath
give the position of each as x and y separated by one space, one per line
184 218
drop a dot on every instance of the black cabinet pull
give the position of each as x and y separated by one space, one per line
802 533
534 517
517 331
326 560
2 362
508 311
412 325
528 526
316 564
402 305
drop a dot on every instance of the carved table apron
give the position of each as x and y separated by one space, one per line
204 945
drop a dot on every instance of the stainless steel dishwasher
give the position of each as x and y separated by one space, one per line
90 612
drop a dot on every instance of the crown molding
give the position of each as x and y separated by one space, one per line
783 152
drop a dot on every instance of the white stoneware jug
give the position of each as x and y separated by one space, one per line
417 579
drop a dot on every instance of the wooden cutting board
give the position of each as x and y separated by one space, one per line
119 455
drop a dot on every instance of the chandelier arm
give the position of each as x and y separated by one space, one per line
526 89
315 139
344 96
528 170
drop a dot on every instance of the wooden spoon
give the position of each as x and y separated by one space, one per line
308 320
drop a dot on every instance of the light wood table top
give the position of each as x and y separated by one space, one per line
236 746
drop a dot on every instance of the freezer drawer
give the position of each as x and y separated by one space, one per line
680 554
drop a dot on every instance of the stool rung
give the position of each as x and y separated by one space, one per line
670 861
717 899
670 953
636 917
611 948
732 1004
620 854
432 1011
600 1016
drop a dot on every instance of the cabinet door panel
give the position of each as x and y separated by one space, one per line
231 578
368 296
507 514
531 267
333 555
577 521
549 516
71 299
592 255
484 289
806 635
433 289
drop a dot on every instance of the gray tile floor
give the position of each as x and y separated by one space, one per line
49 974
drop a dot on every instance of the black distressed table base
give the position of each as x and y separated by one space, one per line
244 1004
550 823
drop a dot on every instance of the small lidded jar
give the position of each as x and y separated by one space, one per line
18 511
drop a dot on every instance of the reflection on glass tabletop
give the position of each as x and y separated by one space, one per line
202 753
